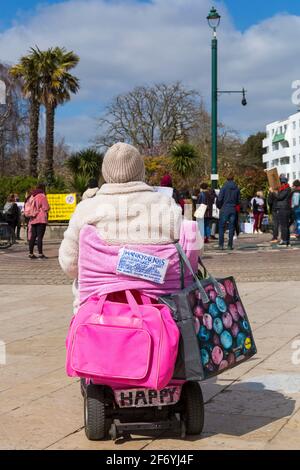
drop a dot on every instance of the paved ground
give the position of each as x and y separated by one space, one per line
254 406
253 259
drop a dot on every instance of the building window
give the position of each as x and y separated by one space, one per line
273 131
294 142
284 160
294 158
275 162
285 127
294 175
294 125
288 176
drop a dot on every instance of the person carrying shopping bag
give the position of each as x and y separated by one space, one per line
207 196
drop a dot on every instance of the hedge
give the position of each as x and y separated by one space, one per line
21 184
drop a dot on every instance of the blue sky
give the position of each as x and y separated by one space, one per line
248 12
244 13
125 43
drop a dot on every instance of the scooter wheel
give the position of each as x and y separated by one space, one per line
193 408
94 413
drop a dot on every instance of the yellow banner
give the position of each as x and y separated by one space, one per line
62 206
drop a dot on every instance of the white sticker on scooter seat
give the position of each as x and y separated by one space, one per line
142 265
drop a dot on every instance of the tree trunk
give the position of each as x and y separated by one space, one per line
34 138
49 145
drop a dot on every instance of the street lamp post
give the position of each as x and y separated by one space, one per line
213 19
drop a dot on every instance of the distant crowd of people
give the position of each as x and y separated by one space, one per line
282 204
224 208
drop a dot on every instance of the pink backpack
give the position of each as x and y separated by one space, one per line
31 210
116 342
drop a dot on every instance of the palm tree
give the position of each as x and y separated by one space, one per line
27 71
184 158
83 166
56 87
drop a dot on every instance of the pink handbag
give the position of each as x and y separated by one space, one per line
117 342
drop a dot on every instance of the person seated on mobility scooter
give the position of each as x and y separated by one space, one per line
106 250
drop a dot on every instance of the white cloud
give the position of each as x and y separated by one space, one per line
125 43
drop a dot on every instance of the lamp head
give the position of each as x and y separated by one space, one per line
244 101
213 18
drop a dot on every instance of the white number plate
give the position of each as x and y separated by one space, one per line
139 397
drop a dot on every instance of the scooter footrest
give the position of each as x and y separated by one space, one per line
150 426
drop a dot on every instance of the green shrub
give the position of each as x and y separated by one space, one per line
21 184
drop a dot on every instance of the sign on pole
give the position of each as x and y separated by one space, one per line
62 206
273 178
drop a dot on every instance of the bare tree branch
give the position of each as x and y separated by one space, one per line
151 118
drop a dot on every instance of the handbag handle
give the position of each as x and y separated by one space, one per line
182 254
130 300
214 281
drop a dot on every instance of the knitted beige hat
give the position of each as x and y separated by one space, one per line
123 163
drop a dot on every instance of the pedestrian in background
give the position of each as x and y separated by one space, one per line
167 182
92 189
296 207
207 196
228 199
37 209
283 204
11 215
258 205
272 203
27 228
19 224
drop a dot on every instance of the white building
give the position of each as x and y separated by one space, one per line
282 147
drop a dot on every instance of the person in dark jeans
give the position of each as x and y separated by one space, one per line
272 203
227 201
207 196
283 204
37 233
38 205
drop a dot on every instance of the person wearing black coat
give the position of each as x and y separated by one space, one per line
272 203
283 206
11 214
227 201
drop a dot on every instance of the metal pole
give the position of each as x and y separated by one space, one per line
214 111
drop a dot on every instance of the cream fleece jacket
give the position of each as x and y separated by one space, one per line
125 213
